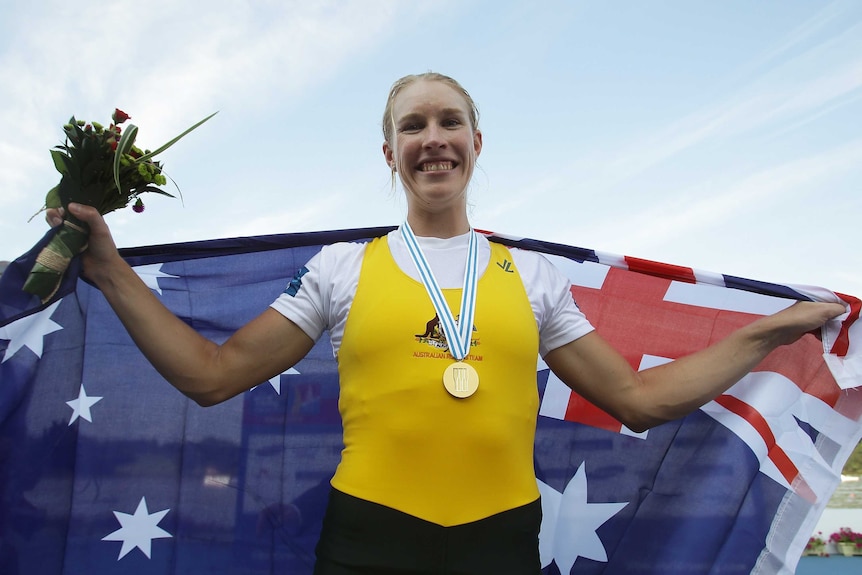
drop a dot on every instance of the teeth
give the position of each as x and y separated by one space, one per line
433 167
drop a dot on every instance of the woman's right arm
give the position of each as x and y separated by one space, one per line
206 372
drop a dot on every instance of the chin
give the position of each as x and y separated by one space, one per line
441 198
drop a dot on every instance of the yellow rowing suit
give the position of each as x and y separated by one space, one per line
409 444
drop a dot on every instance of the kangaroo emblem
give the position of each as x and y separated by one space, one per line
430 327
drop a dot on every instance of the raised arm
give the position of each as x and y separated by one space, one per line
204 371
640 400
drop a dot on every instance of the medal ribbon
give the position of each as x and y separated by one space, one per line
458 333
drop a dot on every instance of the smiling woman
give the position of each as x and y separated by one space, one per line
432 141
436 474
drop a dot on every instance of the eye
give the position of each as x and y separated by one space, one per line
451 122
410 127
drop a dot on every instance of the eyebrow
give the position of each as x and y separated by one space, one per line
443 112
453 112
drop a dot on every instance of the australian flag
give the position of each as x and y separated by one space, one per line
105 468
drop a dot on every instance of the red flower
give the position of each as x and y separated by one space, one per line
119 116
138 207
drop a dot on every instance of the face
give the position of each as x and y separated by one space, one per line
434 147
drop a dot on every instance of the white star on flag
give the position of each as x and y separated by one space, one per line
81 406
569 524
150 275
275 381
30 332
138 530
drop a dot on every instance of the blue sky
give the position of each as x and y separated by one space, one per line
722 136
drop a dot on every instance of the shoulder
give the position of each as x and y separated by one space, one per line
548 288
341 251
327 268
534 265
337 263
321 291
335 259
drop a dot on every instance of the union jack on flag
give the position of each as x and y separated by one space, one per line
105 468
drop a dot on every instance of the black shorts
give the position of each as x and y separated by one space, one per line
364 538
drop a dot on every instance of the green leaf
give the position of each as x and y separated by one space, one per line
52 199
154 189
174 141
60 161
78 135
123 147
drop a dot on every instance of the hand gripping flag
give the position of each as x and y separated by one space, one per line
105 468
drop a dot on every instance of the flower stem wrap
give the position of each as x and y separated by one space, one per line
51 263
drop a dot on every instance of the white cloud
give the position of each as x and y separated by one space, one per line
716 204
824 76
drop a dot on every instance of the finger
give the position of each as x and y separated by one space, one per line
838 309
81 209
54 216
87 214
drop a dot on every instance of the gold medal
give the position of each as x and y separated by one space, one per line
461 379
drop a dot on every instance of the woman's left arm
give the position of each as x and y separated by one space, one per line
640 400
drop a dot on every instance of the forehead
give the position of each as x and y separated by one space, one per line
428 96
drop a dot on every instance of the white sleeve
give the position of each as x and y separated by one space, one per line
319 296
559 319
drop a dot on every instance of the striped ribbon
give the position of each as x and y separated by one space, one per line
458 332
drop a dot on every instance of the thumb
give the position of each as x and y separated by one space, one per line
87 214
82 211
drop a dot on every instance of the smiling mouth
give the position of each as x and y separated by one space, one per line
436 166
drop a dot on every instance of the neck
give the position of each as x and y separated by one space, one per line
438 225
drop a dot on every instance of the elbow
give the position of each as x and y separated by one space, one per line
641 410
203 400
639 424
639 418
207 398
205 391
639 421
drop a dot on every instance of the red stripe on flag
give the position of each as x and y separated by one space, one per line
580 410
842 342
758 422
658 269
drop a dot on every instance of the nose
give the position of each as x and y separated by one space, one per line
434 136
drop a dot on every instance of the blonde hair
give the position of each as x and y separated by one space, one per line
401 83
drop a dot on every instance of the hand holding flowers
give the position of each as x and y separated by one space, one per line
100 167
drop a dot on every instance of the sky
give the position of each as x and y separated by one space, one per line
723 136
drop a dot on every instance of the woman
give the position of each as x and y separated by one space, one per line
436 348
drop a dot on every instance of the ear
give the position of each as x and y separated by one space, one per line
477 142
389 154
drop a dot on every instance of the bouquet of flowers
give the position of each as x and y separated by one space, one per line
100 167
